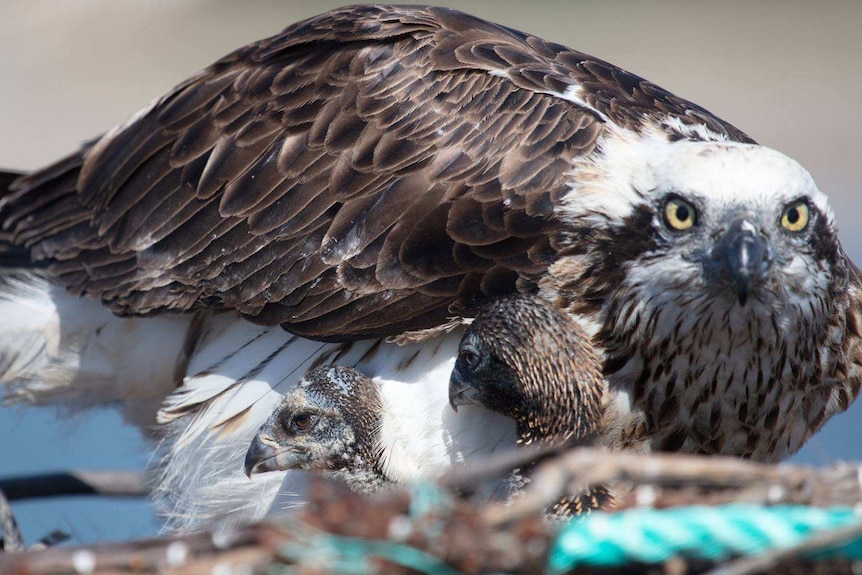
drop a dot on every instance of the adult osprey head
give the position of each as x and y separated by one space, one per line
716 285
376 170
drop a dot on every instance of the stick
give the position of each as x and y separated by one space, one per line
662 480
107 483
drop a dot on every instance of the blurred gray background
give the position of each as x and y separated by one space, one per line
789 73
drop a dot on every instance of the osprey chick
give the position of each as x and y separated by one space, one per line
329 422
523 359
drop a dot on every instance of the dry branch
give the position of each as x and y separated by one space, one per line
668 480
76 482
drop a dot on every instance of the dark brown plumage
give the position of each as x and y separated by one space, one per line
524 359
359 174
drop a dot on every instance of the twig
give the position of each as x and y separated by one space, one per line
106 483
662 480
50 540
194 554
12 539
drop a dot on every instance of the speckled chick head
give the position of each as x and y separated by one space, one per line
329 422
525 359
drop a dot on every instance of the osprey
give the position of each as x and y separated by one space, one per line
374 172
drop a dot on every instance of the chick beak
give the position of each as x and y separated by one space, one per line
461 392
261 456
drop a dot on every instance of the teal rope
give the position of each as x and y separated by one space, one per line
425 497
710 533
351 555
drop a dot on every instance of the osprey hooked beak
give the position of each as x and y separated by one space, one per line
265 454
742 255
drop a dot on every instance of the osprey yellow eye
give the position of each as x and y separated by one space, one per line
795 217
679 215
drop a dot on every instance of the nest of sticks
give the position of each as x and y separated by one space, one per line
431 529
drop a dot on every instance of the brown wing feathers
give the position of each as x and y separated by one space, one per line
357 175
